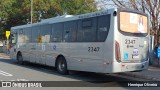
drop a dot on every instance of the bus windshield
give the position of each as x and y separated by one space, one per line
133 22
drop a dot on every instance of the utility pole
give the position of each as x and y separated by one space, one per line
31 10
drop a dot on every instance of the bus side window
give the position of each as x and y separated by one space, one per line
35 33
57 30
21 36
27 34
13 38
103 27
45 33
87 30
70 29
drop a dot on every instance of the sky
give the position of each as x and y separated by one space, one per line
105 4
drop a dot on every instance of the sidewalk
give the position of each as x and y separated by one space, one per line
152 74
4 55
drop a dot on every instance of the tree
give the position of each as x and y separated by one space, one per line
77 6
5 7
17 12
151 7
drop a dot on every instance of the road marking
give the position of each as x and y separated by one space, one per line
5 73
15 80
22 80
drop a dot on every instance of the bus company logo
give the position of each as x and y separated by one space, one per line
6 84
54 47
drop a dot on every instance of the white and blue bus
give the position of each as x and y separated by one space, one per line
108 41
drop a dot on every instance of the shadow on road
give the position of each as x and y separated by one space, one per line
87 79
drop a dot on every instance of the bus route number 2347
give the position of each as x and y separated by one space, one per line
93 49
127 41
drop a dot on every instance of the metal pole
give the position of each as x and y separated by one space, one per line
31 10
7 45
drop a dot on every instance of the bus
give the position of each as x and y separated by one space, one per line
108 41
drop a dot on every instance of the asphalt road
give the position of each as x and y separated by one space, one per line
10 70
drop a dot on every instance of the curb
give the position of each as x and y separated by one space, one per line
4 55
141 76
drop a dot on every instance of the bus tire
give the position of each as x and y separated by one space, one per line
19 58
61 66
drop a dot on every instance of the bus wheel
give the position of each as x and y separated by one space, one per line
20 58
61 65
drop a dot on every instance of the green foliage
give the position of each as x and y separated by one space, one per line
17 12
